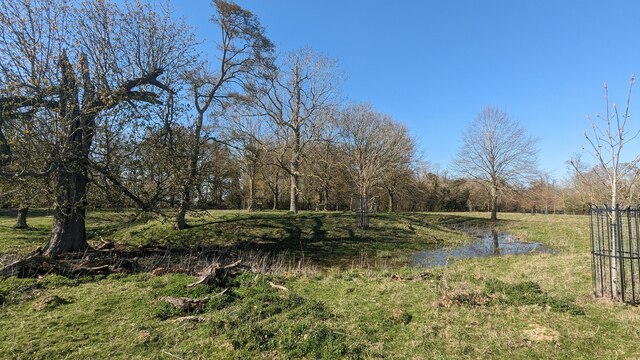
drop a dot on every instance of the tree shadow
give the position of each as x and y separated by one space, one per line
318 232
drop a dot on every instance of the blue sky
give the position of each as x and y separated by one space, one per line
434 65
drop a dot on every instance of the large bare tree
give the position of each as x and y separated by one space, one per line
63 66
293 100
497 152
375 144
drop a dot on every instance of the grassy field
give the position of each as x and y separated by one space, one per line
354 300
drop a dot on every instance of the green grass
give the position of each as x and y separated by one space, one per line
515 307
100 225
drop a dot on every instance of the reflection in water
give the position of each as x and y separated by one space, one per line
493 243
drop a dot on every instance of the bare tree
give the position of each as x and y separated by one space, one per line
272 177
244 51
293 100
497 152
375 145
245 135
542 194
607 143
325 164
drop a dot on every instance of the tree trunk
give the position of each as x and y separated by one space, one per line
185 199
68 233
615 232
295 177
276 195
494 202
326 197
297 148
181 222
251 190
391 201
21 222
293 200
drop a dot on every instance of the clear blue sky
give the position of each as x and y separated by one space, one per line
434 65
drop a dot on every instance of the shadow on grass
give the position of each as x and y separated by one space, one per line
324 238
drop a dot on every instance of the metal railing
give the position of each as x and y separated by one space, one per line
615 250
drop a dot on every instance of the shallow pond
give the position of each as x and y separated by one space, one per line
492 243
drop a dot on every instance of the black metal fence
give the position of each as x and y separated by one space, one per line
615 249
362 211
363 206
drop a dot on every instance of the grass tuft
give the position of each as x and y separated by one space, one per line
529 293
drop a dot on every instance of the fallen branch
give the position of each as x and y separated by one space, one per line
195 319
279 287
105 245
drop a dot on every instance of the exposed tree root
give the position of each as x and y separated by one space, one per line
218 273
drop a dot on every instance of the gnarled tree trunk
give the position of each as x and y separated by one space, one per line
71 178
68 232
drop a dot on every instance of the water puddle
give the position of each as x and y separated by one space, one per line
492 243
